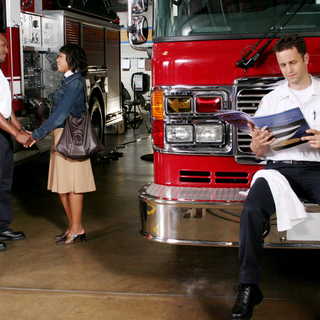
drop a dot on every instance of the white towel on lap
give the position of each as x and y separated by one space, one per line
289 209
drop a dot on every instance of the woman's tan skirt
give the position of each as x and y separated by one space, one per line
67 175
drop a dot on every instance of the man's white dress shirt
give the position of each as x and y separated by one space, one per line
282 99
5 97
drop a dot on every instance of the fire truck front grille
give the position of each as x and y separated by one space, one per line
213 177
231 177
195 176
237 180
249 94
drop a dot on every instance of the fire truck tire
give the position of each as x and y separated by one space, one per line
97 118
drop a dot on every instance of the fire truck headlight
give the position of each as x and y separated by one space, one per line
179 133
209 133
179 104
209 104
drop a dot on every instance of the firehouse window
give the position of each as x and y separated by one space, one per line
232 18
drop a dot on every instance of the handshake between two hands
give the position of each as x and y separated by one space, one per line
25 138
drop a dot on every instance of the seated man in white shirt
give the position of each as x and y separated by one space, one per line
300 165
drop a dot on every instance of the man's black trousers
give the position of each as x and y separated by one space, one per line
6 174
258 208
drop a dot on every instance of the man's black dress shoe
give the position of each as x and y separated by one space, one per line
2 246
9 234
248 296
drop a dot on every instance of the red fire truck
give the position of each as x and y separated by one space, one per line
208 56
35 30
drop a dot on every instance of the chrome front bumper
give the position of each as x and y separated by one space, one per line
203 217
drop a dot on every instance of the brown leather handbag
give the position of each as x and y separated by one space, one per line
78 140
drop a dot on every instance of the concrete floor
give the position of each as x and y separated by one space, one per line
118 275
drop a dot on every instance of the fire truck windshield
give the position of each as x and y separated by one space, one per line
234 19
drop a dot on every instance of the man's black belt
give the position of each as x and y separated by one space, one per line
306 163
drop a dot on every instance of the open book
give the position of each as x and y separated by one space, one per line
287 127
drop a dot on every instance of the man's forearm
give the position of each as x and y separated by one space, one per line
7 126
14 121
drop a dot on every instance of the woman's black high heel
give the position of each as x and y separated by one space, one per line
73 238
62 236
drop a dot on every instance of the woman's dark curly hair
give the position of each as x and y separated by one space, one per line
76 58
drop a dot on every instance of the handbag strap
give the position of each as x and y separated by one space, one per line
86 102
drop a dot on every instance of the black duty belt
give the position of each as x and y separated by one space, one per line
297 162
